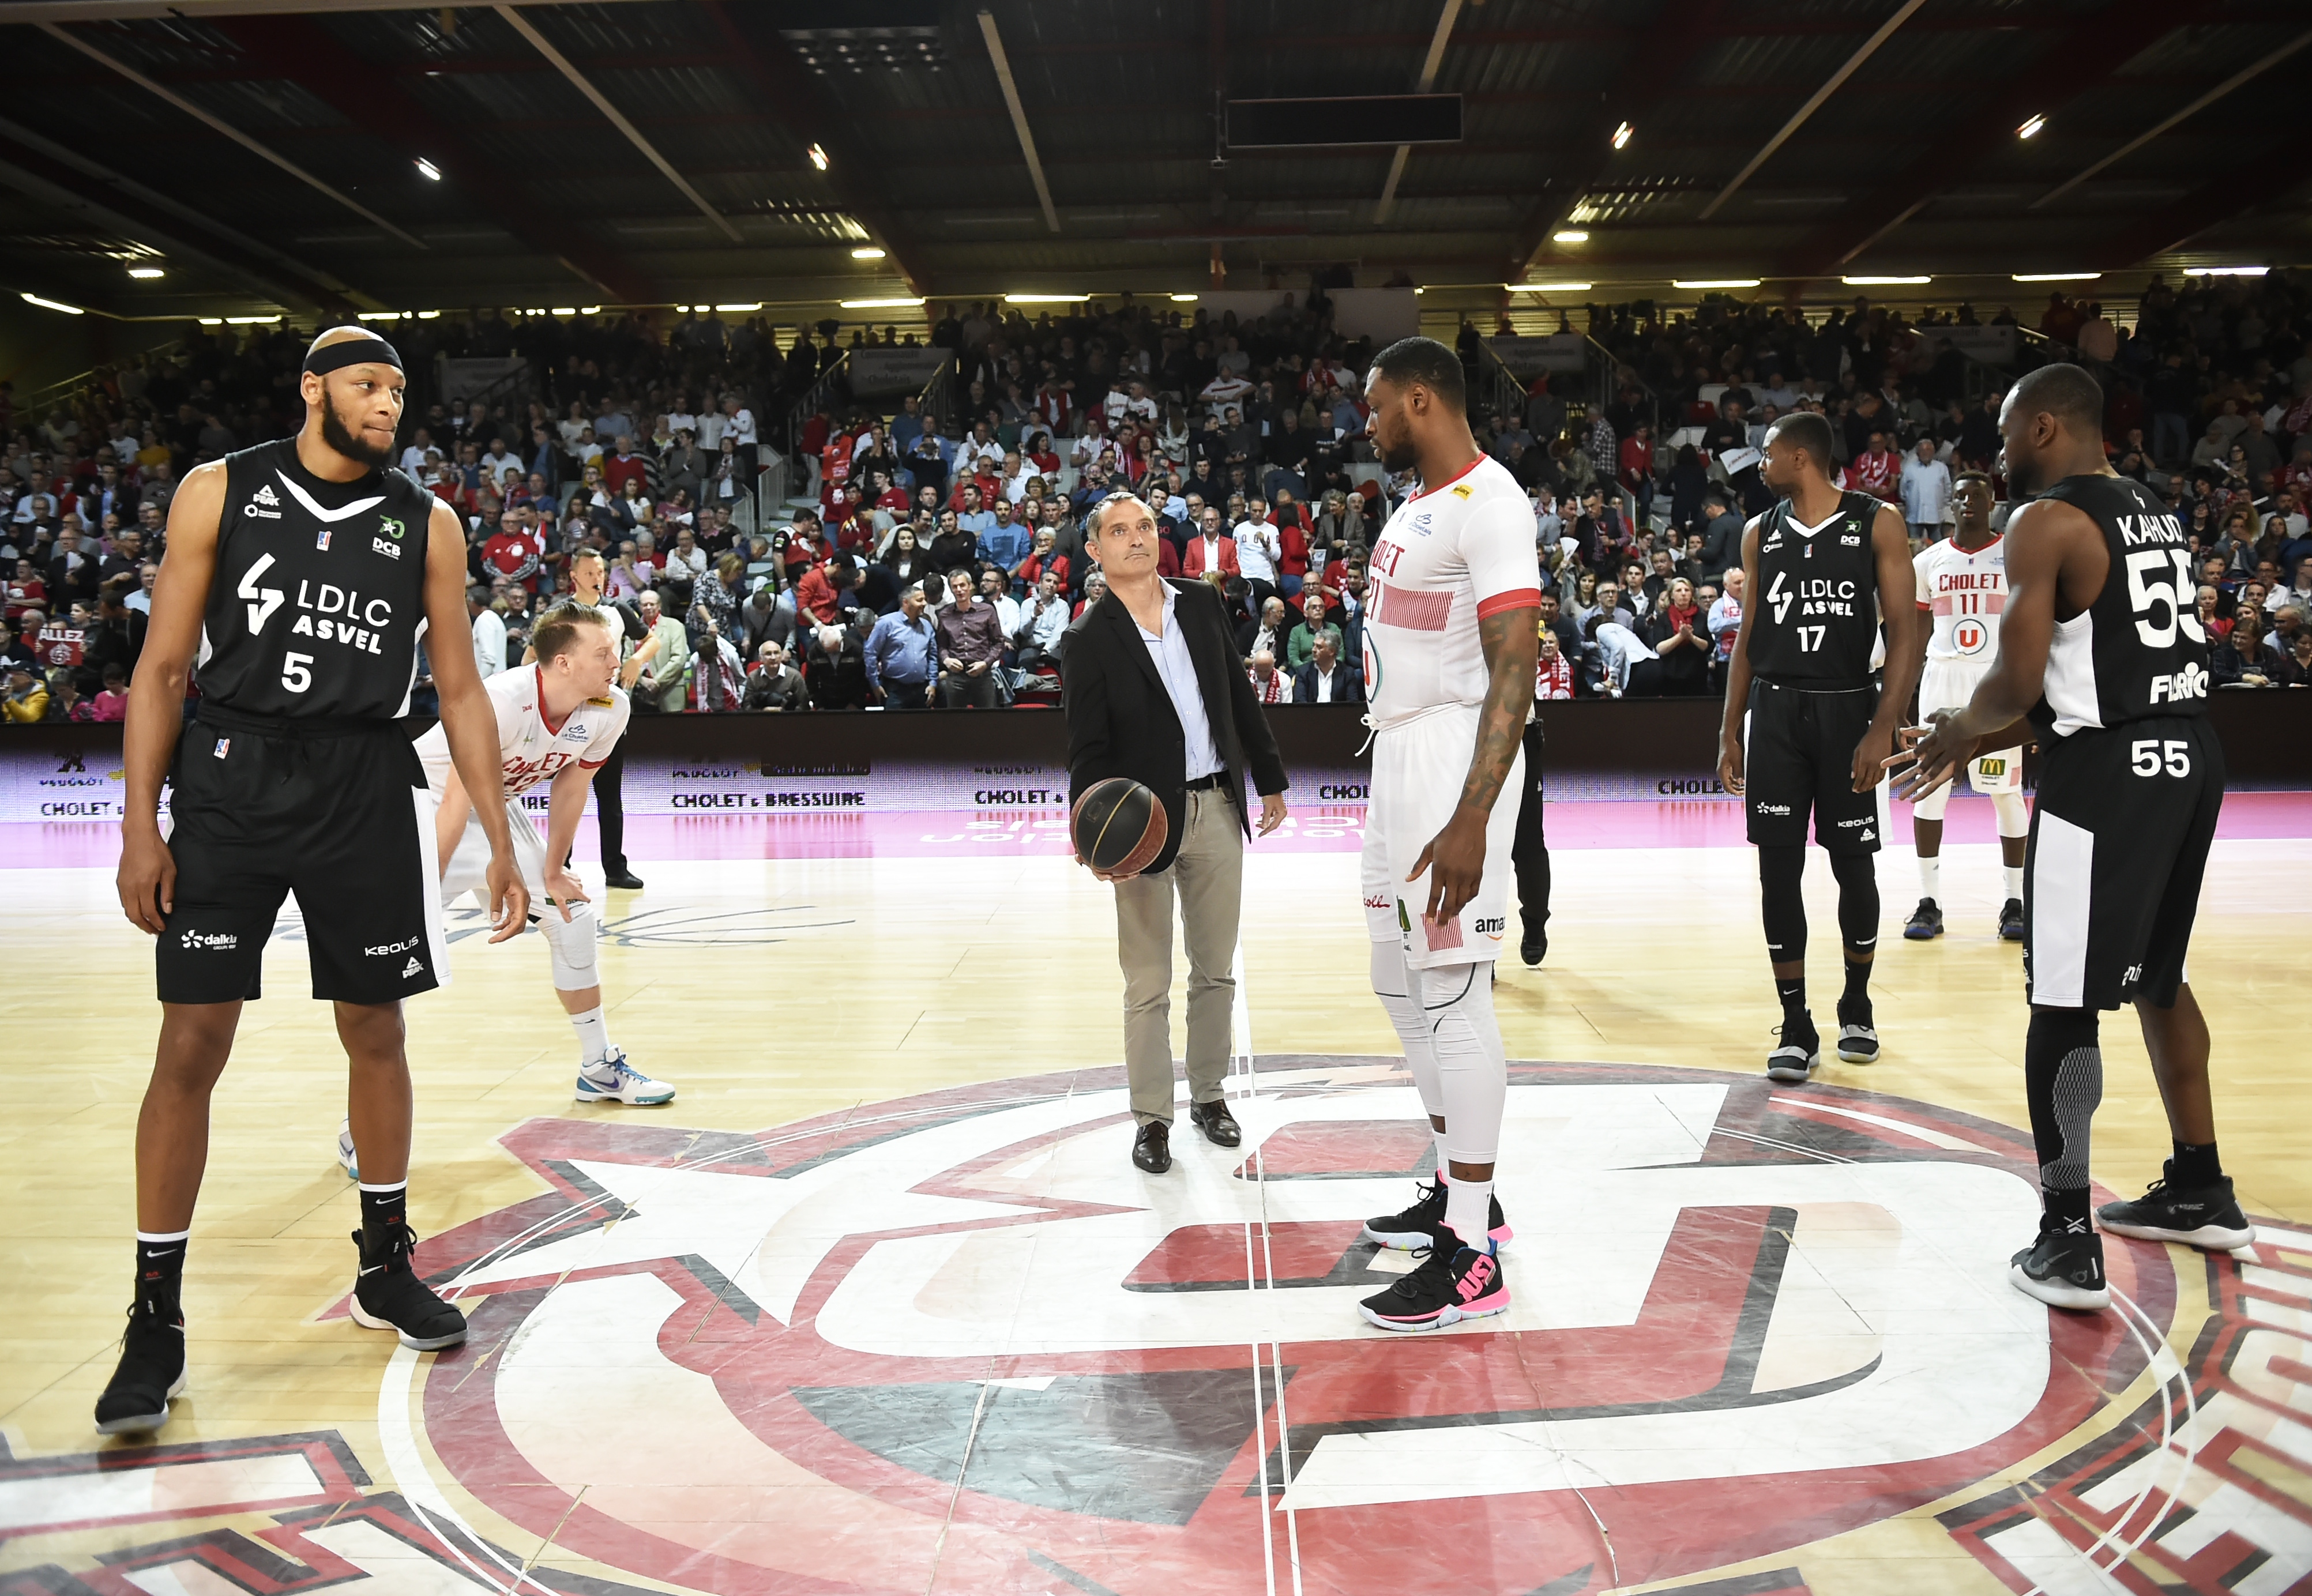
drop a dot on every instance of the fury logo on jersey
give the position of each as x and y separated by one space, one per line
263 601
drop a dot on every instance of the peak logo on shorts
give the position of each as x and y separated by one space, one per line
412 968
390 950
213 941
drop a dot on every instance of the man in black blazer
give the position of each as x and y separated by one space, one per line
1154 691
1328 678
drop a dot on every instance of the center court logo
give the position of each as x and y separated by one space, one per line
963 1320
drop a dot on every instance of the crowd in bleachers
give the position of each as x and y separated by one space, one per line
931 553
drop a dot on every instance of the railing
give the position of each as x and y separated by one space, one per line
938 398
1605 373
68 388
807 406
1498 387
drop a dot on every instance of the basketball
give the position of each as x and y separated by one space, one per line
1118 825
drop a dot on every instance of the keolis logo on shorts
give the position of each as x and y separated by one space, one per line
388 950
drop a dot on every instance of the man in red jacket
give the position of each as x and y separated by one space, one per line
1211 549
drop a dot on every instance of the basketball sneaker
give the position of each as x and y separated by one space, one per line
2063 1267
1409 1230
1451 1284
1858 1040
348 1159
2011 920
151 1370
1926 922
2209 1218
1799 1053
614 1080
388 1295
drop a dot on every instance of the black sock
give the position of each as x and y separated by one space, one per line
1792 993
2196 1166
2068 1207
1857 984
161 1273
384 1210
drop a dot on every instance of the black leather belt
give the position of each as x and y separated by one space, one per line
1206 783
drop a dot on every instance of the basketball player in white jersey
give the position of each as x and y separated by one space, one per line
1962 587
1449 638
558 718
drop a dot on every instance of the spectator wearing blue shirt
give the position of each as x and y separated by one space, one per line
1003 540
975 517
908 425
903 655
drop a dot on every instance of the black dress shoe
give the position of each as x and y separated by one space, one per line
625 880
1152 1149
1534 948
1219 1125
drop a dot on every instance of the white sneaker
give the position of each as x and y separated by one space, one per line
345 1155
613 1079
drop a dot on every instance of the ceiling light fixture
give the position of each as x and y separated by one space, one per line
34 299
382 315
1569 235
212 321
867 252
743 309
429 315
1184 299
145 274
1550 287
590 310
818 157
2031 126
566 310
1715 282
1046 299
252 320
428 169
1622 134
878 304
2194 271
2052 277
1882 282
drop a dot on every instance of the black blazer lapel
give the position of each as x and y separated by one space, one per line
1127 638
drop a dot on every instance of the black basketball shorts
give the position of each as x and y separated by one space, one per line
1799 758
2119 843
345 822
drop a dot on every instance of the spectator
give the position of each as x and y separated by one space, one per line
27 702
1926 491
835 669
1211 549
1325 678
489 632
660 685
1678 631
970 647
1300 646
1269 685
1553 674
901 655
2237 660
112 704
1042 627
776 685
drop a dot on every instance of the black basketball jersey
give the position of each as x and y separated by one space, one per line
319 597
2139 650
1814 613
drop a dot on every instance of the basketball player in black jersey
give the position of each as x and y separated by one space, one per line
1807 728
303 574
2101 648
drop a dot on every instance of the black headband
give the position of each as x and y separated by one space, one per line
352 352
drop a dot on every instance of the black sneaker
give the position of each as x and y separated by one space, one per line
388 1295
1799 1052
2063 1267
1534 947
151 1370
624 879
1858 1039
1409 1230
2207 1217
1926 922
2011 920
1442 1290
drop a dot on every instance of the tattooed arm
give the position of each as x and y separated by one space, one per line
1456 856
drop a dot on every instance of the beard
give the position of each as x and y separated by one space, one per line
1400 455
346 441
2026 477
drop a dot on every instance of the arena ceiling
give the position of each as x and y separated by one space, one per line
268 155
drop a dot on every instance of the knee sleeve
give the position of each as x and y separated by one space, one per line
1858 900
570 945
1472 1066
2014 814
2062 1082
1392 985
1932 806
1781 903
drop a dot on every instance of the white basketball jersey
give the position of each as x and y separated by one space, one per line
1965 592
529 751
1449 556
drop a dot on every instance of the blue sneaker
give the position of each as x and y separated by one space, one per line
345 1155
614 1080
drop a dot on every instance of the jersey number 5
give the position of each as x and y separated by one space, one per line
2149 589
294 674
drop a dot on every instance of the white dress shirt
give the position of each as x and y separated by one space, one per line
1177 667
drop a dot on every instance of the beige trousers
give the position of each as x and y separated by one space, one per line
1208 875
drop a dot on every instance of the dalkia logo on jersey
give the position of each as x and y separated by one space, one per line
1802 1331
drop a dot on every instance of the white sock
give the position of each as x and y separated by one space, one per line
1468 1208
1439 1143
1930 877
593 1036
2014 875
